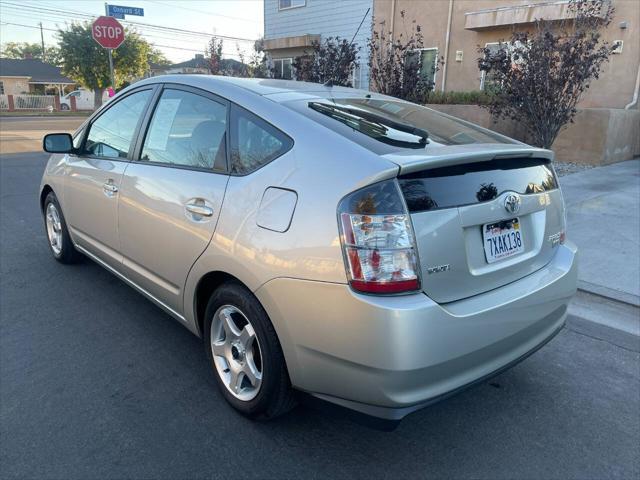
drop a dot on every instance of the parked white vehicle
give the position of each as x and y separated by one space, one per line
84 99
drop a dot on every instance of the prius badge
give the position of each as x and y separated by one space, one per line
512 203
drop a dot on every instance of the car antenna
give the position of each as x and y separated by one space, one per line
329 83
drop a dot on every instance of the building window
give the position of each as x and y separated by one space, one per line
355 77
428 59
1 87
282 68
488 80
287 4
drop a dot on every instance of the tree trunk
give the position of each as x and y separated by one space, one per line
97 98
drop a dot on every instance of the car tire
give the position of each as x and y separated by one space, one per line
57 233
247 353
64 107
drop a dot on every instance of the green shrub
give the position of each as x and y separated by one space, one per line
473 97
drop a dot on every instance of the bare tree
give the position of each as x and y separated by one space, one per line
254 66
214 55
396 65
333 60
540 76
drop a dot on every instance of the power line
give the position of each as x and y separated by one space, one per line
230 54
41 4
199 11
142 33
138 31
165 4
75 15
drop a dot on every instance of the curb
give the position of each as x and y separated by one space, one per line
609 293
604 311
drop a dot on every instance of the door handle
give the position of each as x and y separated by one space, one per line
109 188
201 210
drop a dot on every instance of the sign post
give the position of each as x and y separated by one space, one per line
111 75
110 53
109 34
115 11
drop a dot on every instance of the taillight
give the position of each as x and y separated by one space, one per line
378 241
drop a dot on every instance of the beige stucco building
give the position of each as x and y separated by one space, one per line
607 126
457 27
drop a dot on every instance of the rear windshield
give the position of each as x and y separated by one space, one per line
458 185
384 126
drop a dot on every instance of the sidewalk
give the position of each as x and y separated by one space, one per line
603 216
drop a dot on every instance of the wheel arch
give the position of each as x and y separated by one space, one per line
46 189
205 287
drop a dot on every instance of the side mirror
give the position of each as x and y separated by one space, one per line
58 143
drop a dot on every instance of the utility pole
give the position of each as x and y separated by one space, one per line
110 53
44 57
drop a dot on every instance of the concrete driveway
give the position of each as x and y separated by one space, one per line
603 216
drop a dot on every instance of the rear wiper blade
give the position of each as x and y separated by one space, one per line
403 127
372 124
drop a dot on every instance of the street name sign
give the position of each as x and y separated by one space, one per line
118 11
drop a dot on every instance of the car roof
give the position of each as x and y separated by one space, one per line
259 86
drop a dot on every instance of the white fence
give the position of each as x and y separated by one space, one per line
4 102
34 102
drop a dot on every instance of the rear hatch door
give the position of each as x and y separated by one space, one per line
482 223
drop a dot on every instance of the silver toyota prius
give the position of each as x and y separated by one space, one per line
368 251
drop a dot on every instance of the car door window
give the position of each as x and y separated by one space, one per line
254 142
111 134
187 130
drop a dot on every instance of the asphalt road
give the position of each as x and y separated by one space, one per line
96 382
24 134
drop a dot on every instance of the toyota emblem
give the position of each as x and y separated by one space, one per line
512 203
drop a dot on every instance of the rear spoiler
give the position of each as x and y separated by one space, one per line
411 161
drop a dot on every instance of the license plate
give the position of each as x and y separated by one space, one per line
502 240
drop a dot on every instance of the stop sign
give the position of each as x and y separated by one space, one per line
108 32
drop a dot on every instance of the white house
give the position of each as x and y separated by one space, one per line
291 27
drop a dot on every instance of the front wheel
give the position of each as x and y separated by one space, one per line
57 233
245 354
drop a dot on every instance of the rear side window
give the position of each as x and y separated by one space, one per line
254 142
459 185
188 130
111 134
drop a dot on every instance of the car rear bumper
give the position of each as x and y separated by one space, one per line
388 356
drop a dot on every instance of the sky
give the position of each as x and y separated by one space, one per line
241 19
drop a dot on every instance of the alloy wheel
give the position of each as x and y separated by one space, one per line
236 352
54 228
